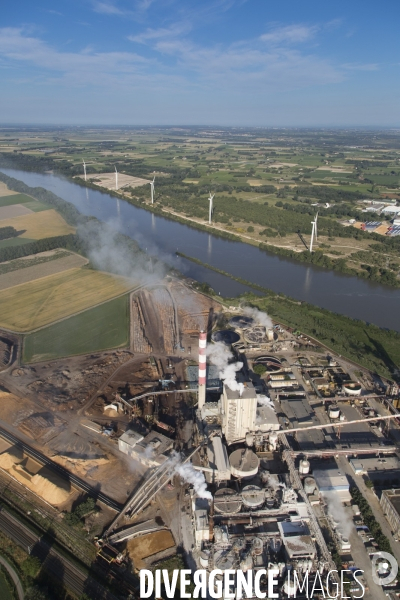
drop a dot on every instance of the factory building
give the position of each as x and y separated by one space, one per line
333 480
297 540
218 461
151 450
382 470
238 408
390 502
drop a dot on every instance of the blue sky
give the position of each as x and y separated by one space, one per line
207 62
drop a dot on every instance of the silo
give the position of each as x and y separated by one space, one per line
309 485
244 463
304 467
253 496
334 411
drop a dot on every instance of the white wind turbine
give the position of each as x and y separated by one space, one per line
116 178
210 212
84 169
152 189
313 232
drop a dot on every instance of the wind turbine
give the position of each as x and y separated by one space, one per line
152 189
211 207
84 169
116 178
313 232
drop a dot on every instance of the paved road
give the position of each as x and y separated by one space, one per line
14 576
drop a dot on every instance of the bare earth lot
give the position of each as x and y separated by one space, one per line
107 180
21 276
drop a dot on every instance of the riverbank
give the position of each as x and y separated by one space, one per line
374 348
318 257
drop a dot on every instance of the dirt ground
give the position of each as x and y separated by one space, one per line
147 545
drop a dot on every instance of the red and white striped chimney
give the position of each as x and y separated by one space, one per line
202 369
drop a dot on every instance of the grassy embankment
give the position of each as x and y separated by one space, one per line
368 345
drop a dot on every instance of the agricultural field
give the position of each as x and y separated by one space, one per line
269 184
39 225
40 302
99 328
38 271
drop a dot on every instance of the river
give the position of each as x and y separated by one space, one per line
337 292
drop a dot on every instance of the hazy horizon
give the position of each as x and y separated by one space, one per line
226 63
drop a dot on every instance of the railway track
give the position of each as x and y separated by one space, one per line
57 565
77 481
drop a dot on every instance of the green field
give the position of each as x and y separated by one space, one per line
15 199
5 593
17 241
99 328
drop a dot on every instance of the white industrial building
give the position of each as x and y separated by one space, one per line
391 210
150 450
333 480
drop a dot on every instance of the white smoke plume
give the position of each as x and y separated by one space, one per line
338 513
264 401
219 355
189 474
108 251
260 318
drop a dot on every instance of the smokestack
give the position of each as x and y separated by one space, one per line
202 369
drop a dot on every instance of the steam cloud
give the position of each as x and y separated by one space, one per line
264 401
220 356
108 251
336 510
260 318
189 474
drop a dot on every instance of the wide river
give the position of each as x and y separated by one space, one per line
340 293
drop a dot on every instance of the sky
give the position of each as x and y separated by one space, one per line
200 62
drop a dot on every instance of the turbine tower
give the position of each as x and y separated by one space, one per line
314 226
84 169
211 207
116 178
316 234
152 189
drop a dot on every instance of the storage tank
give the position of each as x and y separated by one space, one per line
352 389
204 559
244 463
227 501
304 467
289 587
334 411
257 546
253 496
309 485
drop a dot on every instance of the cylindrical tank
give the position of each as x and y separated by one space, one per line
352 389
253 496
304 467
204 559
257 546
309 485
227 501
289 587
244 463
333 411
